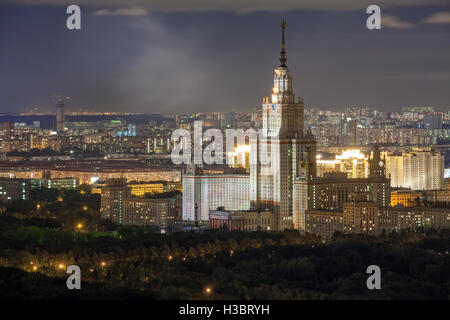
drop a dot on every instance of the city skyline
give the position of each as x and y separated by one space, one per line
154 60
231 183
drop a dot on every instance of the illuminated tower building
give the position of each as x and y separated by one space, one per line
60 117
281 185
351 130
112 197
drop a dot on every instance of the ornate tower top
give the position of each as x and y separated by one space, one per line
283 45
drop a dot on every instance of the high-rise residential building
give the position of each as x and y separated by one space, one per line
60 116
406 198
418 170
6 136
351 131
227 121
6 130
159 213
113 195
141 188
290 150
394 169
432 121
205 192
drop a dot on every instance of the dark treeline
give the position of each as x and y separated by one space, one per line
37 244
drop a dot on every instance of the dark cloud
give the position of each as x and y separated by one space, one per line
218 61
240 6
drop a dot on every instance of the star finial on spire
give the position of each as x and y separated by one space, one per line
283 45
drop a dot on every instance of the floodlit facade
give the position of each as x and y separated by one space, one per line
242 220
291 153
352 162
140 189
205 192
240 157
418 170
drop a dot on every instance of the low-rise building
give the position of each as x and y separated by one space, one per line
14 189
323 223
420 217
406 198
61 183
409 198
243 220
139 189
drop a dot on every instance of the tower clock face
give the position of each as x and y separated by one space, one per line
381 163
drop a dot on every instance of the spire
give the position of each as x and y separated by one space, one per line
283 45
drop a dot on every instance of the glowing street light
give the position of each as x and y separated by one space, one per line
208 290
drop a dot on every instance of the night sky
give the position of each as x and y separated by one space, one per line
186 56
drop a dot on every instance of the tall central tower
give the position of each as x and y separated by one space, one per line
280 182
60 116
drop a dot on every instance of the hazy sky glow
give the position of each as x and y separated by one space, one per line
157 56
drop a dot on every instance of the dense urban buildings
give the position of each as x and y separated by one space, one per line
199 150
418 170
319 160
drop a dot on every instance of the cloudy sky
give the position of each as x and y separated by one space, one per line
158 56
